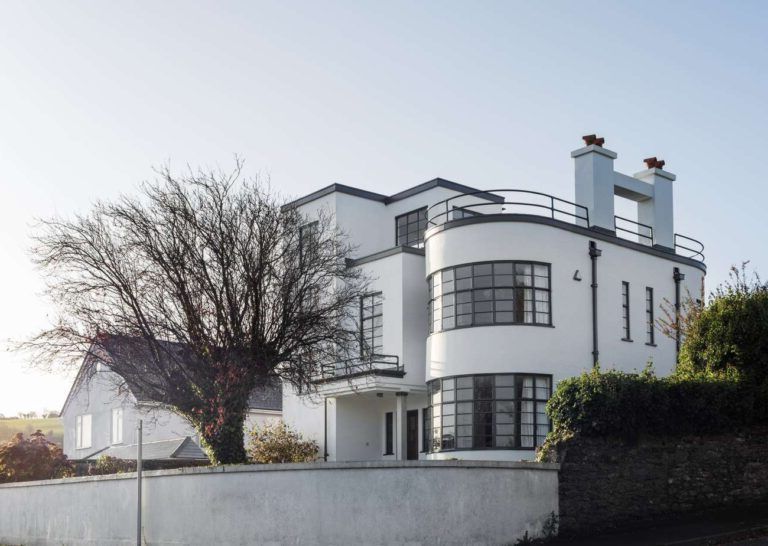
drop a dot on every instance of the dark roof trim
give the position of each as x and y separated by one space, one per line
385 254
594 233
340 188
365 194
443 183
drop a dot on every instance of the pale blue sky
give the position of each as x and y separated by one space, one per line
377 95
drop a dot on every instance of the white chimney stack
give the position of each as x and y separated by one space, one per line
597 183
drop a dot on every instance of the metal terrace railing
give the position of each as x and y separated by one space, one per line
498 202
506 202
388 365
632 230
691 248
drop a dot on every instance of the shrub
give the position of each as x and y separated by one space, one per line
111 465
625 405
33 458
277 443
729 337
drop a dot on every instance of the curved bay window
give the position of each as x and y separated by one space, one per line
509 292
499 411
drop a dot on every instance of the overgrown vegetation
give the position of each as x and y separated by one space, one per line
720 385
34 458
277 443
728 339
196 291
111 465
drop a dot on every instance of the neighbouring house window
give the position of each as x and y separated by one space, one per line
371 325
308 235
490 293
625 310
410 228
502 411
83 431
389 433
117 426
425 429
649 331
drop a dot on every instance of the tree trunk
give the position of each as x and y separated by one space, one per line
223 438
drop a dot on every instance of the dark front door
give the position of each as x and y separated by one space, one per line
412 442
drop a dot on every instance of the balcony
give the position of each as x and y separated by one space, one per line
376 365
526 202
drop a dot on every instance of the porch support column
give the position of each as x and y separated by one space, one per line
401 425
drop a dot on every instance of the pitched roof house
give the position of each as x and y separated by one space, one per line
102 410
482 300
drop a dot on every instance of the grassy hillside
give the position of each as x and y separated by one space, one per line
52 428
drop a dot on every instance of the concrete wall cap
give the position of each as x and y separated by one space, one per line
287 467
596 149
654 171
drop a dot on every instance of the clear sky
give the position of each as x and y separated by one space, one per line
379 95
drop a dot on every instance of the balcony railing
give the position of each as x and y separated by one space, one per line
385 365
633 231
689 248
495 202
506 202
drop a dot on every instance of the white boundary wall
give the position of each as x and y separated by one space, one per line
404 502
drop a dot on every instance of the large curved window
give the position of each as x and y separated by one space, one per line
490 293
501 411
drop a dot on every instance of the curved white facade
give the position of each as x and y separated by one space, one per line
468 375
564 348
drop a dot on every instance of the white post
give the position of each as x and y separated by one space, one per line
594 184
140 428
401 425
659 211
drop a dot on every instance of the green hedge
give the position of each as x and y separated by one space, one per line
625 405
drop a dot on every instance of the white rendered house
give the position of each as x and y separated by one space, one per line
102 411
482 300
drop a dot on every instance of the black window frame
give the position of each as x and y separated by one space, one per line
389 433
650 331
368 346
308 233
467 298
625 312
413 237
484 411
425 429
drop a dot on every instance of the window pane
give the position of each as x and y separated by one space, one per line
484 387
483 269
465 382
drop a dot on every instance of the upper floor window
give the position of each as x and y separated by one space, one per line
83 431
410 228
117 426
489 411
650 337
308 235
490 293
625 310
371 325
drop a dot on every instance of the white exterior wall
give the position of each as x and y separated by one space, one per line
449 503
565 349
98 397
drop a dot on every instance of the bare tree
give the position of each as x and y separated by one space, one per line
217 286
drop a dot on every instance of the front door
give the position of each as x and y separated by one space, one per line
412 442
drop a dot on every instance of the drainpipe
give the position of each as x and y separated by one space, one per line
594 253
678 277
139 465
325 429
